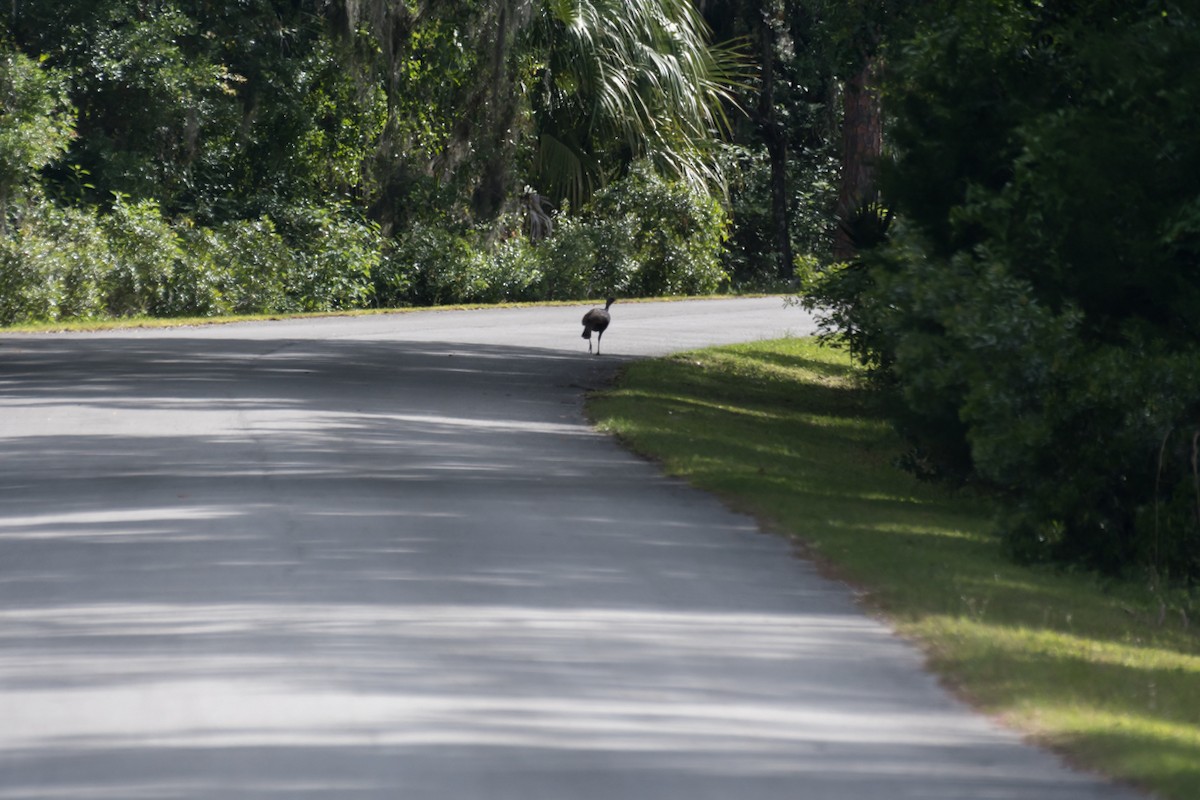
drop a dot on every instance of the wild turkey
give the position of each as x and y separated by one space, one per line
596 320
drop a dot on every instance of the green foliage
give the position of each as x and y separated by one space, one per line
82 248
783 165
618 81
429 76
68 263
239 267
36 124
347 113
225 157
1035 315
566 259
52 265
749 254
157 111
318 259
334 256
256 263
515 270
194 287
30 277
434 266
640 236
144 250
657 237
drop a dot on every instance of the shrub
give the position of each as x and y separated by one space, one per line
194 285
656 237
435 264
513 271
257 263
334 256
1034 312
393 278
567 261
642 235
144 250
52 265
30 275
83 249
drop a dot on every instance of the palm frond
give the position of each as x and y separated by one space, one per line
643 78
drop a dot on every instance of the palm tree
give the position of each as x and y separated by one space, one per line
579 88
620 80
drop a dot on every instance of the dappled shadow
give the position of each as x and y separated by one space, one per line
826 369
369 569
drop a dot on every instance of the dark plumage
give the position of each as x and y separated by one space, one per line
596 320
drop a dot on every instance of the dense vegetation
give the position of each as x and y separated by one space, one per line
1034 312
998 198
171 157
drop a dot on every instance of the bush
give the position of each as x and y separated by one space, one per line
257 265
30 276
194 285
334 256
144 251
656 237
393 278
83 249
1034 314
52 265
435 265
566 261
513 271
642 235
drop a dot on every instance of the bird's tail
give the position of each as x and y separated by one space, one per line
587 333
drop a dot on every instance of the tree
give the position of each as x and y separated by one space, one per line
772 38
36 125
859 33
1035 312
783 154
615 81
232 126
565 94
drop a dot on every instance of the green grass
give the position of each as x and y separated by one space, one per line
1105 672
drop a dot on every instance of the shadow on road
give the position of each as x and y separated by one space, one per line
255 569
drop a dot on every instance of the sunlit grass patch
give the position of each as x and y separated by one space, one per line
1123 706
1106 672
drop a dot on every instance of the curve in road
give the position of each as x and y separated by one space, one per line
385 557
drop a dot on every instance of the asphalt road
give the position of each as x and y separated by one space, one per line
385 557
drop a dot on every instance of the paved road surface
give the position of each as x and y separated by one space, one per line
384 557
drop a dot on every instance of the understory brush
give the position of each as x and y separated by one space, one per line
641 236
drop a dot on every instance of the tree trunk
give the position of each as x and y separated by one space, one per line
776 142
498 115
862 145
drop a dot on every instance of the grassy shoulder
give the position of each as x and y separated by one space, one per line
1106 673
